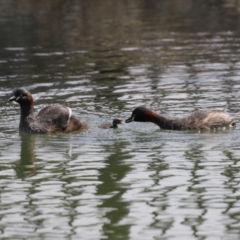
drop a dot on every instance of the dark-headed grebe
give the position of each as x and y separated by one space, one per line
51 119
114 123
202 119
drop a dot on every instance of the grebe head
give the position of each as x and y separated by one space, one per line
117 121
141 114
22 96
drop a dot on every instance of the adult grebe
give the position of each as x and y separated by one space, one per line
50 119
202 119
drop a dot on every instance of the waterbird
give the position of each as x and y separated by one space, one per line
114 123
202 119
50 119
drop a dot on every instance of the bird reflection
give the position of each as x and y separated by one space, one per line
110 178
25 167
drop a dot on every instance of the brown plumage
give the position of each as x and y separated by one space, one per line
202 119
51 119
114 123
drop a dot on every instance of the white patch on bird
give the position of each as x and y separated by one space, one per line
70 112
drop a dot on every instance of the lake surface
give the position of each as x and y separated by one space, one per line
103 59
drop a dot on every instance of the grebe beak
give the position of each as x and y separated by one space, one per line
129 120
12 99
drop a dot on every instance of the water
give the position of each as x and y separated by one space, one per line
103 60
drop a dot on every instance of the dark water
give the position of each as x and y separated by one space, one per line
103 59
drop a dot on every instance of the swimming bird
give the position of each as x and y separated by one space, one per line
114 123
50 119
202 119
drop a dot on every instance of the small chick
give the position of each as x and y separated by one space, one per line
114 123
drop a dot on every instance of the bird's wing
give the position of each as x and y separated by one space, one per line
207 119
57 116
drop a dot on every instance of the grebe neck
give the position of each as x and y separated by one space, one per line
162 122
27 113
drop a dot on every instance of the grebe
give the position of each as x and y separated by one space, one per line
50 119
202 119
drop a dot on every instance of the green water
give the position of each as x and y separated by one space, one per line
103 59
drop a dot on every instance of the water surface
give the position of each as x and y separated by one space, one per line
103 60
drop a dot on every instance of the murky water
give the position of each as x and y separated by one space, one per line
103 60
